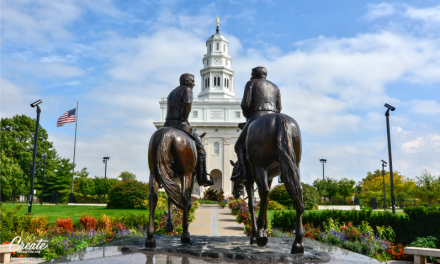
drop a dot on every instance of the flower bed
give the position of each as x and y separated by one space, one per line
240 209
65 237
360 238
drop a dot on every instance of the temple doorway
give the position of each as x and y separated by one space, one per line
217 177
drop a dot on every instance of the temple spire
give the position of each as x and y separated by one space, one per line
218 20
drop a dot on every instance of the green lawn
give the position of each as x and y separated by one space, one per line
52 212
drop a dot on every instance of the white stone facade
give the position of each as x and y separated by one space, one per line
216 111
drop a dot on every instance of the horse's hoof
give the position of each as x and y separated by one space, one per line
297 248
185 238
169 227
253 240
261 241
262 237
150 243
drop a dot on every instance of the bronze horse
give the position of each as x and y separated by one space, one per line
273 147
172 155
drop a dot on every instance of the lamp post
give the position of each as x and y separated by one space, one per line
384 164
42 185
390 159
323 161
31 193
104 160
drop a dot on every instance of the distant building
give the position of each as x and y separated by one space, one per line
215 111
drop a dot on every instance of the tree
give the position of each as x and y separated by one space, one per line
346 187
373 186
125 176
332 187
60 181
11 176
82 173
17 139
326 188
102 186
321 186
428 187
87 187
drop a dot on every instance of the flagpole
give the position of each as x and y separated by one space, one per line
72 196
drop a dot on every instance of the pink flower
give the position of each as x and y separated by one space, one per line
349 224
344 227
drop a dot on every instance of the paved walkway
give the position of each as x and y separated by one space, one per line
215 221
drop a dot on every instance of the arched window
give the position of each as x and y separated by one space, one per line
217 46
208 82
216 148
215 81
218 81
209 47
227 81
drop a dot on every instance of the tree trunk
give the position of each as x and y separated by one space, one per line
99 198
85 197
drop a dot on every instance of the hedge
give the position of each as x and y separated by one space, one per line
310 196
128 194
418 221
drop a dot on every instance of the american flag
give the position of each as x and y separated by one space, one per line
67 117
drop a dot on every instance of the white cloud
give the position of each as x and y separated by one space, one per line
429 107
44 70
429 143
38 21
330 85
429 14
379 10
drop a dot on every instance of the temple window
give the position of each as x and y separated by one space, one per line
216 148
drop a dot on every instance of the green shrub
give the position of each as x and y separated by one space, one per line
128 194
274 205
207 202
310 196
425 242
418 221
223 204
12 223
212 195
286 219
279 194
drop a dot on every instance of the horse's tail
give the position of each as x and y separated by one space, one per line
165 175
287 159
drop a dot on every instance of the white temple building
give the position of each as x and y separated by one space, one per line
215 111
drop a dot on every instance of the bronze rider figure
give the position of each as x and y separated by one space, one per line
178 108
261 97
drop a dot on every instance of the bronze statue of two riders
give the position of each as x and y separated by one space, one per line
268 146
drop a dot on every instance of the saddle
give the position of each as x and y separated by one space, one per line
189 130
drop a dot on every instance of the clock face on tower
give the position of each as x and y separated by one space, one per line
217 61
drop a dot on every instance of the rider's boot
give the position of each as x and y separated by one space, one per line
241 161
202 178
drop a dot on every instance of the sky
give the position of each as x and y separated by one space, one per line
336 63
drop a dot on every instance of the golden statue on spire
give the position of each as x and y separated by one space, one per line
218 20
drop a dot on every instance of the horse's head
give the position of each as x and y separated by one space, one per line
237 187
